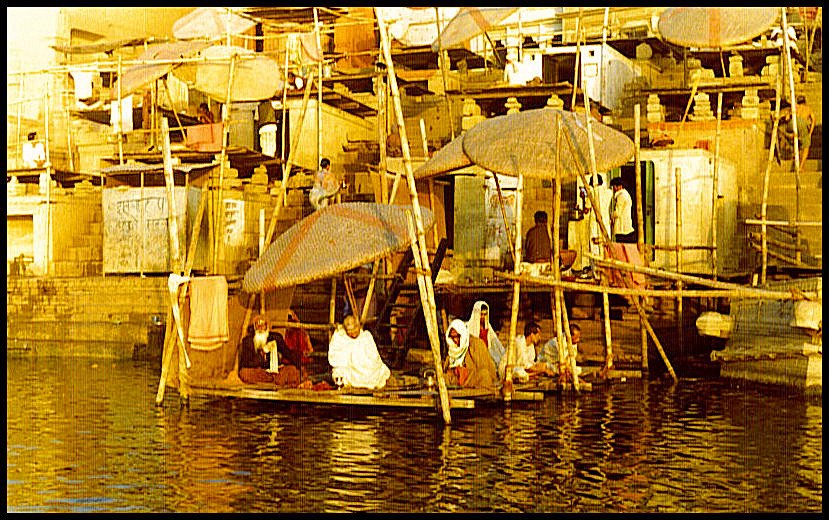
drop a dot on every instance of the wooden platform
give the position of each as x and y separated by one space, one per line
402 398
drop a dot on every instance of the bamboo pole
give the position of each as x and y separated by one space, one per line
741 291
678 243
715 188
332 305
504 215
790 72
429 317
120 117
370 291
218 215
48 165
282 134
349 294
561 308
143 231
442 57
382 129
319 89
578 61
286 169
516 289
431 326
764 206
431 180
640 216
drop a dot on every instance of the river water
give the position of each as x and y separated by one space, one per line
85 436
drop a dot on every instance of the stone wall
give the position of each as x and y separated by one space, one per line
98 317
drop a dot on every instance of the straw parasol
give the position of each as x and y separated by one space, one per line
255 77
210 22
525 143
332 240
468 23
137 76
714 27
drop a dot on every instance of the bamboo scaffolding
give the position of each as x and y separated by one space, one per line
427 296
741 291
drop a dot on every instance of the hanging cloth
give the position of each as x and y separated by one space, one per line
208 328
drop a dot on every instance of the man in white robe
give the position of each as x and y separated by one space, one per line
354 358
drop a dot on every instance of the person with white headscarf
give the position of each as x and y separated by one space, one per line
467 363
354 358
479 326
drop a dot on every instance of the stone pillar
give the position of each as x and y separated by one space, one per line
555 102
512 105
655 110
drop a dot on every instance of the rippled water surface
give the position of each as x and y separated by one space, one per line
86 436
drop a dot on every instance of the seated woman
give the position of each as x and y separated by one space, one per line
298 347
255 361
354 358
479 327
468 363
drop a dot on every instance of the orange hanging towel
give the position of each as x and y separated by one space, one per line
208 328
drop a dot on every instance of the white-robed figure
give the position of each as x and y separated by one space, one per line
354 358
479 326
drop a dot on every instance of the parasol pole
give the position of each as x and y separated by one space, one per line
284 110
715 183
764 207
504 215
218 215
516 286
678 248
427 298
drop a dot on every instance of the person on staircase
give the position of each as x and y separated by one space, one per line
326 185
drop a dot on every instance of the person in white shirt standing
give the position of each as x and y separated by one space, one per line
621 216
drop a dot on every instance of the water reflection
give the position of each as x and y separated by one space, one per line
86 437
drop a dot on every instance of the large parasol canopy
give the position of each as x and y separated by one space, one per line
468 23
332 240
525 143
714 27
210 22
137 76
255 77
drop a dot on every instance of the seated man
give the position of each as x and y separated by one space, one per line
525 364
551 360
354 358
257 363
468 363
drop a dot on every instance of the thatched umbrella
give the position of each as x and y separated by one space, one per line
332 240
468 23
137 76
714 27
255 77
210 22
525 143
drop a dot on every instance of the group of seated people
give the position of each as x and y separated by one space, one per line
476 358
